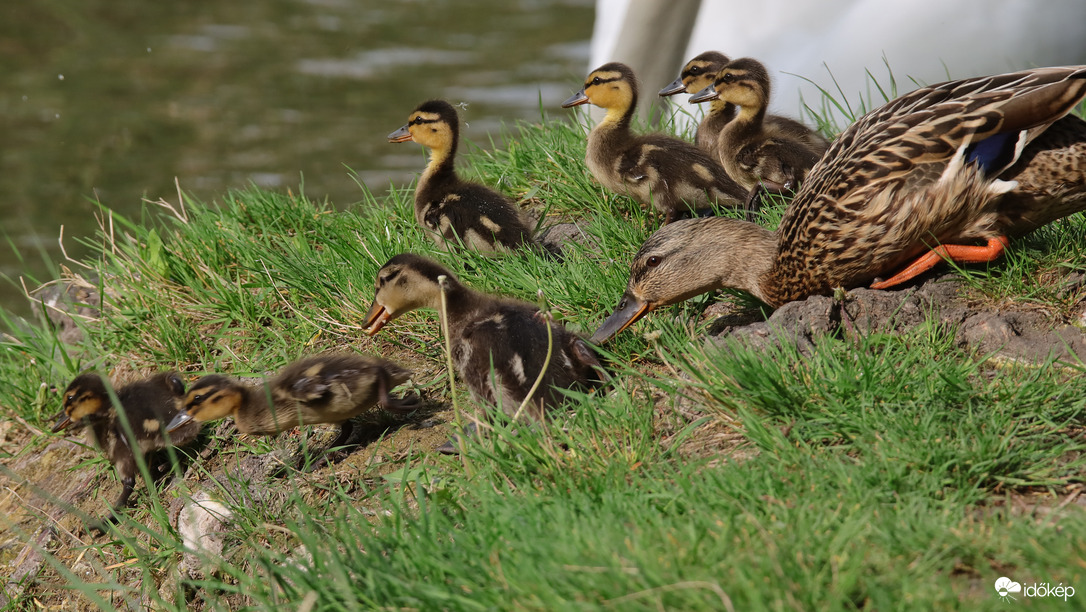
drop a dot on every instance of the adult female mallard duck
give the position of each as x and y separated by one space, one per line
499 346
700 73
662 171
454 211
322 389
755 151
147 406
916 180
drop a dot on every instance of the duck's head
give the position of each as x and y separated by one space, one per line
687 258
210 398
743 82
433 124
697 74
85 396
611 86
404 283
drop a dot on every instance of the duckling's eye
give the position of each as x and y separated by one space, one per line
695 70
596 81
70 398
417 120
728 77
653 261
198 399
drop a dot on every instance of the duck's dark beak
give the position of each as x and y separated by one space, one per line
400 135
629 311
576 99
178 420
675 87
709 93
376 319
63 423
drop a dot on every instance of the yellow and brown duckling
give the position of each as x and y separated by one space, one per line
322 389
148 406
700 73
499 345
665 172
923 178
451 210
755 151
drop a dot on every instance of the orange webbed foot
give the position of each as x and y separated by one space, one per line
959 253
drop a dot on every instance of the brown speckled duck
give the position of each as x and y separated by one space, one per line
148 405
499 345
665 172
328 388
451 210
755 151
922 178
700 73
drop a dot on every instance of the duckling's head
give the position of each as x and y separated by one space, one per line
85 396
210 398
743 82
404 283
697 74
433 124
612 86
687 258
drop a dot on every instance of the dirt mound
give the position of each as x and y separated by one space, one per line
1024 335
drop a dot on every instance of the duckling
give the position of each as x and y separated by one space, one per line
454 211
755 151
663 171
322 389
499 346
700 73
148 405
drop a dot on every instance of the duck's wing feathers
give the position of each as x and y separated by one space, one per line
924 166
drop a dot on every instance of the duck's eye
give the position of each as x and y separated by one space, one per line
198 399
70 398
728 77
695 70
417 120
653 261
596 81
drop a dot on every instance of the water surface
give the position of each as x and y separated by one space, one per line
109 101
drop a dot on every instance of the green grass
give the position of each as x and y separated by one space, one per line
885 473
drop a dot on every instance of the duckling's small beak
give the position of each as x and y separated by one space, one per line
629 311
400 135
709 93
376 319
63 423
576 99
675 87
178 420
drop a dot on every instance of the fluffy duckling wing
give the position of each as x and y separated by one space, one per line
150 405
781 162
501 355
480 218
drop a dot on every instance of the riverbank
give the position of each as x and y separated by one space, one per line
899 468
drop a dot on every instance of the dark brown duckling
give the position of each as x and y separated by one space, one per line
148 405
665 172
752 150
499 345
451 210
701 72
322 389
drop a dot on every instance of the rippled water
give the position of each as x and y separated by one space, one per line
109 101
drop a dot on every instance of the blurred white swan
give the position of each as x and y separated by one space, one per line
925 40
